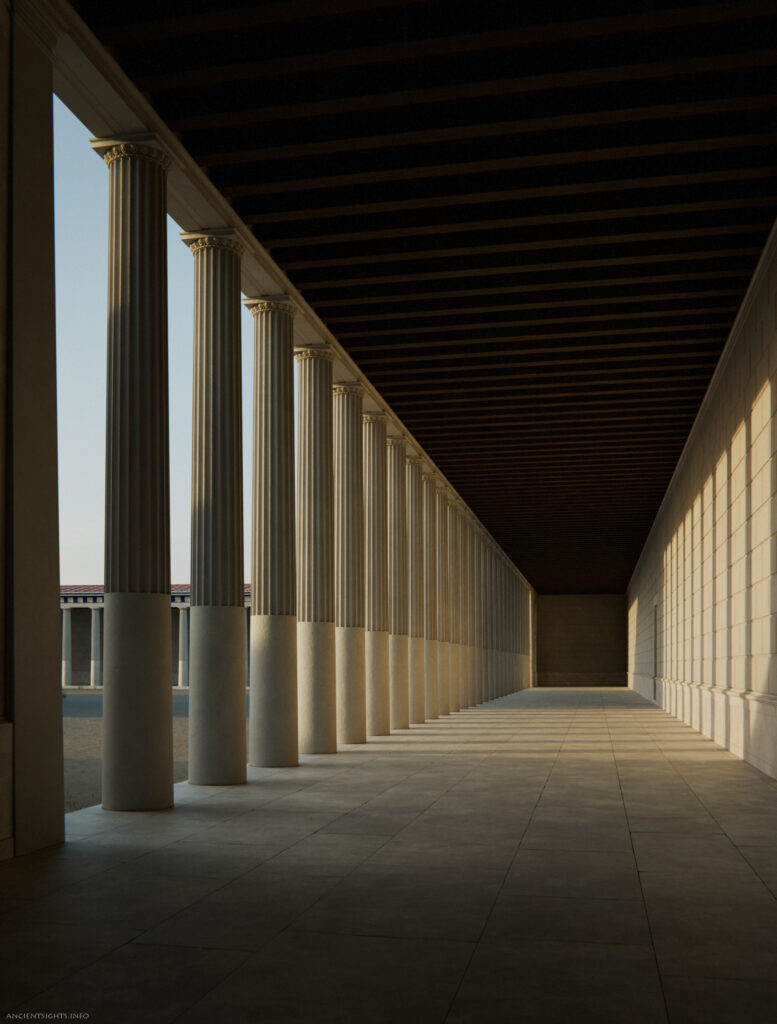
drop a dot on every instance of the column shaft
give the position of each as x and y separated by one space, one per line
349 563
431 695
67 647
415 592
472 672
95 653
137 702
183 645
477 594
453 603
397 584
315 556
443 613
375 581
272 725
461 526
217 732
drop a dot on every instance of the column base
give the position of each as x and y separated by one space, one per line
431 696
137 703
351 693
316 688
376 662
272 723
398 681
415 674
217 697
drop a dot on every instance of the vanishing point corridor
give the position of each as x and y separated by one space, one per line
560 855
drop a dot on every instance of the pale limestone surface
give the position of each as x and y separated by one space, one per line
702 599
558 855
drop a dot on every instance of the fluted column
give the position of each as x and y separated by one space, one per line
137 701
453 602
472 669
501 605
415 590
217 680
315 555
349 563
183 645
461 527
491 623
272 727
488 621
443 620
67 647
95 653
478 596
375 576
431 695
397 583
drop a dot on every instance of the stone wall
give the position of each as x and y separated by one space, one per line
703 598
581 640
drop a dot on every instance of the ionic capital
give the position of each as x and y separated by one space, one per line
413 460
214 239
270 304
348 387
143 146
314 352
396 441
373 417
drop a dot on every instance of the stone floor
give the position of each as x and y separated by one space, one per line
555 856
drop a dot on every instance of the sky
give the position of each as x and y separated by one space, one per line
81 247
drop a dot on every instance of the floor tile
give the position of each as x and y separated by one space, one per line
541 918
323 979
596 875
139 983
560 982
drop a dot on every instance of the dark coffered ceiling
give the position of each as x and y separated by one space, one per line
530 224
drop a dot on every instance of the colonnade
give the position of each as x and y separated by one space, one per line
384 604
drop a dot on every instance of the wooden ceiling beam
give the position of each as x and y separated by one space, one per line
527 267
485 130
533 245
716 64
511 163
463 199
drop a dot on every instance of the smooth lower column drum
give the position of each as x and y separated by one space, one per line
95 654
415 590
137 701
375 576
431 696
217 681
315 555
183 645
443 620
67 647
349 563
272 726
397 584
453 602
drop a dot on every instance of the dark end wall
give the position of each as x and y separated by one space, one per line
581 640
